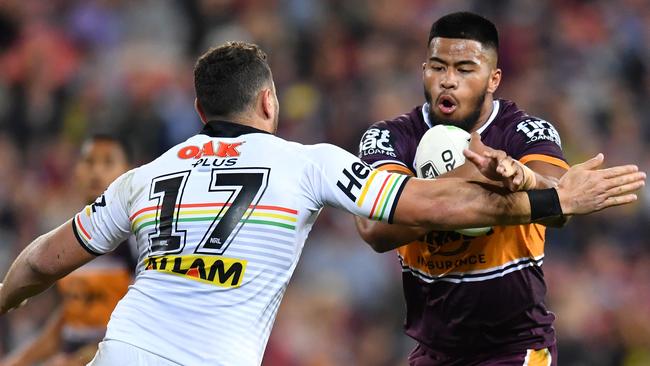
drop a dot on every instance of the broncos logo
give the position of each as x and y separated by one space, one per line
448 243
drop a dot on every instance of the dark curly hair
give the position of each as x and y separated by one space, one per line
466 25
227 78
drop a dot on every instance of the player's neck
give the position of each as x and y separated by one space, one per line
249 121
255 123
486 111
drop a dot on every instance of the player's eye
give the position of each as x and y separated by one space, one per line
437 68
465 71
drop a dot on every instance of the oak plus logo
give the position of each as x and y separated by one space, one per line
211 155
377 141
222 150
536 130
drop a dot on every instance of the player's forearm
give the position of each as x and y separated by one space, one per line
450 204
473 204
383 237
544 182
548 176
45 260
24 279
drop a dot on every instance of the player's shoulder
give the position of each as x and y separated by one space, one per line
393 139
297 150
298 155
317 153
510 114
531 128
122 184
404 123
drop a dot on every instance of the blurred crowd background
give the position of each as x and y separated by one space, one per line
72 67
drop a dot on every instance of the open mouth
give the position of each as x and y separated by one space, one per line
446 104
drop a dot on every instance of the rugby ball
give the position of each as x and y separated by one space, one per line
439 151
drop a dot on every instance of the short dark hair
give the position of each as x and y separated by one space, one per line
120 142
227 78
466 25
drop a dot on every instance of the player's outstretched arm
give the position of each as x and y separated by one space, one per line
450 204
48 258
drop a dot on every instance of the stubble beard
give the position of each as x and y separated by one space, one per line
466 123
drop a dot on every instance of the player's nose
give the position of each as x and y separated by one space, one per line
448 81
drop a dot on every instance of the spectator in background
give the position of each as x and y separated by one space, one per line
90 293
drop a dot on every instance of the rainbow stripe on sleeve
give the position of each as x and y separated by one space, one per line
387 194
197 212
82 230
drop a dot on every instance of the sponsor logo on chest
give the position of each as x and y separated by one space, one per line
536 130
376 141
214 270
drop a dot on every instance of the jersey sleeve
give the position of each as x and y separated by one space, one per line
101 226
380 146
338 178
534 139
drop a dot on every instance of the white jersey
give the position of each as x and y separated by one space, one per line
220 222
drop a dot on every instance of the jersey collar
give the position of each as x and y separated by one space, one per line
495 111
425 114
216 128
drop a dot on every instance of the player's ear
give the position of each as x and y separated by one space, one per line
200 111
268 105
494 81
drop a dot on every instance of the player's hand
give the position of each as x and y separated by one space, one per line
514 175
476 144
480 155
585 188
496 165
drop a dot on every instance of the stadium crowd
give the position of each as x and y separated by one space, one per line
70 67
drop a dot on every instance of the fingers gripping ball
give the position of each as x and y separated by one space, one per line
511 167
441 150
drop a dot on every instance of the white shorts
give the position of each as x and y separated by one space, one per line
112 353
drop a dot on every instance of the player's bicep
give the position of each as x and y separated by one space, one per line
367 192
344 181
537 144
58 252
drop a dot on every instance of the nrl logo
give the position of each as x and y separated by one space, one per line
428 170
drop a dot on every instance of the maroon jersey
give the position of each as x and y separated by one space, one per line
473 294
